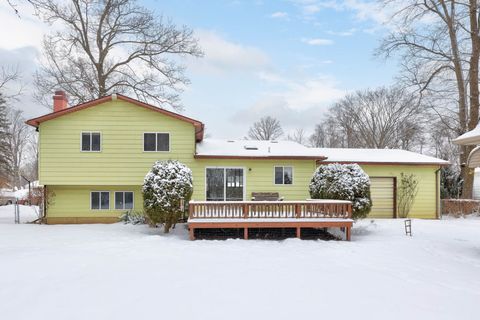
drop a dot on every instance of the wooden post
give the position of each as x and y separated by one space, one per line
297 210
245 211
190 210
245 233
191 231
348 234
299 233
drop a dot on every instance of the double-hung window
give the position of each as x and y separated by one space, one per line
283 175
156 141
91 141
100 200
123 200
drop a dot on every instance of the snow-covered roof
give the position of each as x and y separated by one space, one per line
210 148
217 148
469 138
377 156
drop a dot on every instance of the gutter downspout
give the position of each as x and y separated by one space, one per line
44 217
438 202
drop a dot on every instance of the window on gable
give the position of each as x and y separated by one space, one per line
91 141
123 200
283 175
100 200
156 141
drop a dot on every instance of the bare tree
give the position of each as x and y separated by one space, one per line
108 46
439 45
328 135
299 136
10 82
267 128
29 168
14 4
17 140
380 118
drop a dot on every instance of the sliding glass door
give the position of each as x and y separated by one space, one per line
224 184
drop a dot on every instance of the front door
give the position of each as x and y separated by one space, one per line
225 184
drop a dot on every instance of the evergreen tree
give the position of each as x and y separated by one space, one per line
166 186
4 124
343 182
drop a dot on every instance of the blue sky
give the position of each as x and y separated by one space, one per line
295 59
290 59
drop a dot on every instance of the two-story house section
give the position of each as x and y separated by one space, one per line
93 158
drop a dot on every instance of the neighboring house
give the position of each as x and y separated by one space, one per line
472 138
476 184
94 156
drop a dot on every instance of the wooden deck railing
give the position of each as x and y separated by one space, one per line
270 209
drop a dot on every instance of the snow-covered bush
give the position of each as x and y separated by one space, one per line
133 217
165 187
343 182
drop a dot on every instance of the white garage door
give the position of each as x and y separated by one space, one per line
382 192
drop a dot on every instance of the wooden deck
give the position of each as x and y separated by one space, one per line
270 214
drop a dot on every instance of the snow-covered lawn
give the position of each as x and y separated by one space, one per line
133 272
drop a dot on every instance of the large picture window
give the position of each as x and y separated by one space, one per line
156 141
123 200
283 175
91 141
100 200
224 184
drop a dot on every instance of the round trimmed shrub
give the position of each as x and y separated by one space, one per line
164 187
343 182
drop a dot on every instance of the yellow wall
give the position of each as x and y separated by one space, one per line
260 178
122 163
74 201
425 205
122 160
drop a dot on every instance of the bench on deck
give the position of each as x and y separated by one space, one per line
270 214
266 196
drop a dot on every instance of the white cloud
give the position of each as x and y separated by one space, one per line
296 103
303 93
17 32
223 56
310 9
279 15
317 42
346 33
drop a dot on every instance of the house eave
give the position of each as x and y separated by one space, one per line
198 125
284 157
387 163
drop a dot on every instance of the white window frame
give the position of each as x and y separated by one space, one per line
225 181
169 141
100 199
90 132
115 199
283 175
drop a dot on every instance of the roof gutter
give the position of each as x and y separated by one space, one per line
388 163
286 157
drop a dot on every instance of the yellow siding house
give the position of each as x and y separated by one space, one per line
94 156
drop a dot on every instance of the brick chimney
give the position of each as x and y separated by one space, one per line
60 101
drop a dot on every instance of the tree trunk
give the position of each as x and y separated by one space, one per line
474 98
462 95
466 172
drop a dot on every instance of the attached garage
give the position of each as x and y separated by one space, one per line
384 167
383 190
